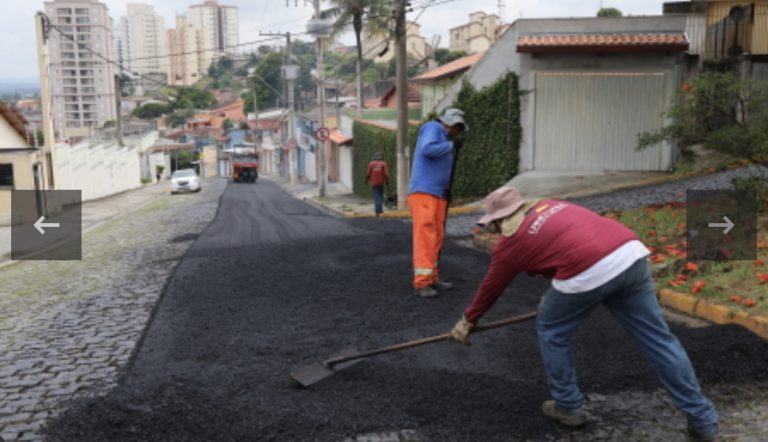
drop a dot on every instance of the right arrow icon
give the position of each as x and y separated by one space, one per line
727 225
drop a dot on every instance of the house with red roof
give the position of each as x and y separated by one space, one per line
588 87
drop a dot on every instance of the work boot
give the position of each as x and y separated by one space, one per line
442 285
696 435
573 420
425 292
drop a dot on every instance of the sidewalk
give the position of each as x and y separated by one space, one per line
98 211
340 200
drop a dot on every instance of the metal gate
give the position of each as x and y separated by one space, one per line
590 121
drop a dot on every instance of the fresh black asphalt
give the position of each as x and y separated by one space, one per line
274 284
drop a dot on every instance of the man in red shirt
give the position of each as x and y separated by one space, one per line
592 261
378 175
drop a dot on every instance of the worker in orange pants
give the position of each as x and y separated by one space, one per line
429 195
428 212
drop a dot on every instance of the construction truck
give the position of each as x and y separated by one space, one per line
245 164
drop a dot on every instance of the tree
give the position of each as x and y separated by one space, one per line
352 12
192 98
227 124
722 112
266 82
609 12
179 118
443 55
151 111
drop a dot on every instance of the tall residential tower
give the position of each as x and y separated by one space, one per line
82 84
221 24
142 46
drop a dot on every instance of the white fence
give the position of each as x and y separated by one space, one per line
100 168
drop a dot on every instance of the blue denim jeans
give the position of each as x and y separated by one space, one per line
378 197
631 299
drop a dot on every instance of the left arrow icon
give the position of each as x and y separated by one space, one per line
40 224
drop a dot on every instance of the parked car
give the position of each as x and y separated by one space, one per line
185 180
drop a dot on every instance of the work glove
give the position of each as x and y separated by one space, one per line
457 144
461 331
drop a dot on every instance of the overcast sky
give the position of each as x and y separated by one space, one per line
17 39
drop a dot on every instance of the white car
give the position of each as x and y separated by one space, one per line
185 180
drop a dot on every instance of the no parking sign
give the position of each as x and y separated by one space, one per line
323 133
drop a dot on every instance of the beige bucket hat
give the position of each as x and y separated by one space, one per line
501 203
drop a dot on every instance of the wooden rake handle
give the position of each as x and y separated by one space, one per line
432 339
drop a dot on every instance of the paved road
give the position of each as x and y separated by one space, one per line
274 284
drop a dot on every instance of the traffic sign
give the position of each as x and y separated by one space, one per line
323 134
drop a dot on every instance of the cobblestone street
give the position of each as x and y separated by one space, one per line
68 328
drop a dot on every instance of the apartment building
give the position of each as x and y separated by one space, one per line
221 23
82 84
417 47
476 36
141 40
189 59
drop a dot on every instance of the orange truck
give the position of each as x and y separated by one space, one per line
245 166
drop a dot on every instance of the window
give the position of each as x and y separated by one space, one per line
81 20
63 11
65 20
81 11
6 175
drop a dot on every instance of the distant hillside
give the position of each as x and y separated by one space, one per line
22 88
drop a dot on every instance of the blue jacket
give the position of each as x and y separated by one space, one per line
432 161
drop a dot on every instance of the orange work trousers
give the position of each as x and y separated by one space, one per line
428 213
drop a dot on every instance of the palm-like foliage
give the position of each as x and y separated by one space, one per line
371 16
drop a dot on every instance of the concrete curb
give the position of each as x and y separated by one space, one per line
713 312
464 210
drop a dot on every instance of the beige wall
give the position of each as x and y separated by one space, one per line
22 179
208 168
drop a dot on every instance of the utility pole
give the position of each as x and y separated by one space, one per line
290 73
322 151
119 103
42 29
401 84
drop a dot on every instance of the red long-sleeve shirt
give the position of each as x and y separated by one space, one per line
556 239
377 173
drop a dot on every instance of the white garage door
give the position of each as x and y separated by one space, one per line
590 121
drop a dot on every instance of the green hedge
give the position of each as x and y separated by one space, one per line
490 156
491 152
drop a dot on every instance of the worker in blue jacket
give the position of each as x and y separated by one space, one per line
429 195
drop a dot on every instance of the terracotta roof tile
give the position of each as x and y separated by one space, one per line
612 40
454 67
339 138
